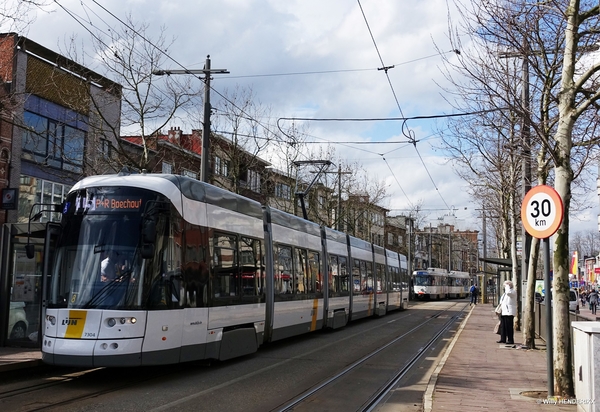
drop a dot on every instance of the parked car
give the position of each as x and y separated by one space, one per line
573 301
17 321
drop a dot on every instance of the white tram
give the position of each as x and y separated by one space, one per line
431 283
160 269
436 283
458 284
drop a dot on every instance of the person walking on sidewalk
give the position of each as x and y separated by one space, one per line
474 293
593 296
508 303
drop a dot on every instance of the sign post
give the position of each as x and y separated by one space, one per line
542 214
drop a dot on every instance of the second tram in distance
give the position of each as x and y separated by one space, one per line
436 283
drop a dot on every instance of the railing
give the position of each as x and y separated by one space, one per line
540 319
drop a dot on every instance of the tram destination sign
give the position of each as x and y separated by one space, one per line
110 203
542 211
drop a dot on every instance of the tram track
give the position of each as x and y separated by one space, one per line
371 404
86 383
275 375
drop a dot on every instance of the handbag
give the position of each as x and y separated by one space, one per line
498 309
497 328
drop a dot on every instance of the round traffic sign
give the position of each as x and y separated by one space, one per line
542 211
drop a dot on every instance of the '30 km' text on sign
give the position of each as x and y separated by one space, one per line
542 211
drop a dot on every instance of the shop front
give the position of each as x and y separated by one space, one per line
21 287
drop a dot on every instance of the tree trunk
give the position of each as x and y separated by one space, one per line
563 373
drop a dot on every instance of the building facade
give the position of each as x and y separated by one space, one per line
56 117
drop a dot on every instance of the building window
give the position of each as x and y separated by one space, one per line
105 149
167 168
189 173
221 166
253 181
283 191
322 202
33 190
51 143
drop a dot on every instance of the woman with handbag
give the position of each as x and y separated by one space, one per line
508 303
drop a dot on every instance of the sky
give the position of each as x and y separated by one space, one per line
329 52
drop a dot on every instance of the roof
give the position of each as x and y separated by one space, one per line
499 261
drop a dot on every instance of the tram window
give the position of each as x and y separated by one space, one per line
315 281
366 271
356 276
302 272
334 274
338 276
380 278
195 269
251 263
283 270
344 285
225 266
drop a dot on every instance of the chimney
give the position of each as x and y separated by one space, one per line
174 134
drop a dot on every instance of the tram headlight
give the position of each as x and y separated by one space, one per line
133 320
51 319
111 322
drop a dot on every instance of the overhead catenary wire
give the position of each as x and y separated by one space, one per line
409 134
405 130
168 56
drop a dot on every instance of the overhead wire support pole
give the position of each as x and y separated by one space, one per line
207 72
339 197
324 164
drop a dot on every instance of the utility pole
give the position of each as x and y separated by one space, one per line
449 249
324 165
207 71
338 219
526 184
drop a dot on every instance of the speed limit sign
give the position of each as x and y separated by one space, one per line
542 211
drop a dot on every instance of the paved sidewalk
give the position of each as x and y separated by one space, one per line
19 358
478 374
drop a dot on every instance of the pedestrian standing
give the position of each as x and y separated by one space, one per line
593 296
474 293
509 310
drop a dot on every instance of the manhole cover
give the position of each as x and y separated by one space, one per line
535 394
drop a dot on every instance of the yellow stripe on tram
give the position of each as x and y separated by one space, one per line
75 324
313 324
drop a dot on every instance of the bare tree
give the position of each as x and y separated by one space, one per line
17 15
129 55
242 121
578 98
550 39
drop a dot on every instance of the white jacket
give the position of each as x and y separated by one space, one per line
509 302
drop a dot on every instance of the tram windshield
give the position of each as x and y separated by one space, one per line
98 262
423 280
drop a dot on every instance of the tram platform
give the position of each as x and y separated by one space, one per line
476 373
